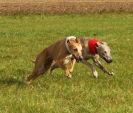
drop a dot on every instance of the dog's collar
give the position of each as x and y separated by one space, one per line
66 44
92 46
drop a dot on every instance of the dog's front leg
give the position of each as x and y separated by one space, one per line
67 73
65 67
95 73
72 65
99 65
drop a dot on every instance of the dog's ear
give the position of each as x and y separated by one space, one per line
68 41
104 43
98 44
77 40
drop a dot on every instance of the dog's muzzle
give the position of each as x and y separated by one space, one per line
109 60
79 58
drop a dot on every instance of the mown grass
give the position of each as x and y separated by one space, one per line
23 37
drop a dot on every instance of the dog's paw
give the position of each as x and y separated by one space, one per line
111 73
28 81
69 76
71 70
95 74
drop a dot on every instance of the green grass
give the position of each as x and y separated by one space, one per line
23 37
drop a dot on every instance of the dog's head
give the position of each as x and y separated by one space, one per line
104 51
75 48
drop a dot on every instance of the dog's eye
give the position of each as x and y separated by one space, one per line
75 49
105 52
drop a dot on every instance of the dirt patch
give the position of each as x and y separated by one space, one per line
65 7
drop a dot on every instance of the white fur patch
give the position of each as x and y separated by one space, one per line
67 59
95 73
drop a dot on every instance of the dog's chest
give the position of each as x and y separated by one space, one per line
67 59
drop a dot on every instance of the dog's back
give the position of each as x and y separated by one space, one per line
84 43
57 50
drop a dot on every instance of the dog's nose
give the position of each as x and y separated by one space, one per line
81 58
110 61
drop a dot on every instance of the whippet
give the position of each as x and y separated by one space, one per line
64 52
94 49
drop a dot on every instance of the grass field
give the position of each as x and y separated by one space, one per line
23 37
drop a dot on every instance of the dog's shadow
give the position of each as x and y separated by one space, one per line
11 81
17 78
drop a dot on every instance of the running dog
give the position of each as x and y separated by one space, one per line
94 49
64 52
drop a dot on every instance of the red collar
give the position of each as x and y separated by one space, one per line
92 45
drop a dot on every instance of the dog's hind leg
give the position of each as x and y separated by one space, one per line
41 66
53 66
36 72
